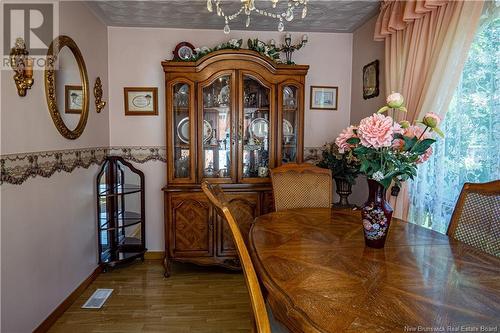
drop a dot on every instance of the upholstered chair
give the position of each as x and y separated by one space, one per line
218 199
476 218
301 186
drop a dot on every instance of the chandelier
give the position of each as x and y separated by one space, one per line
248 7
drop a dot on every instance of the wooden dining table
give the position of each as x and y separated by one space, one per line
319 276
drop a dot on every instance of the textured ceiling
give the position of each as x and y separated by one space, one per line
322 16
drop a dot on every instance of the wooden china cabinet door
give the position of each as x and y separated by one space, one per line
192 225
290 142
245 208
256 128
216 119
181 132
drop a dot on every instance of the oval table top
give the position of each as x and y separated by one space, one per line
320 277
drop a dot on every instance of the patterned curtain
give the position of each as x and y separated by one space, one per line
470 152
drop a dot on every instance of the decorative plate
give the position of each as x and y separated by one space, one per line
183 51
183 130
287 128
259 128
287 93
183 89
207 131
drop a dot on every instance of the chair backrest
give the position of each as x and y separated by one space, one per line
301 186
476 218
218 199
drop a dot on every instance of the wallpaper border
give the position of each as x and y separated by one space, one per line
17 168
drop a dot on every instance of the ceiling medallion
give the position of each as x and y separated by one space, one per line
248 6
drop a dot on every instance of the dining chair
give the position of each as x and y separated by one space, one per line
301 186
476 217
218 199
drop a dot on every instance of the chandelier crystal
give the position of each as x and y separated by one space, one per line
248 7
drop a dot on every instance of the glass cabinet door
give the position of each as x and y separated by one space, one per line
256 130
289 117
181 130
215 129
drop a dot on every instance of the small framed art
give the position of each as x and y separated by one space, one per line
324 98
73 99
141 101
370 80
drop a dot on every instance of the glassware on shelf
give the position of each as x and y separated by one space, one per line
181 127
290 121
216 152
256 128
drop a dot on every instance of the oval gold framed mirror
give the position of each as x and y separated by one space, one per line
67 87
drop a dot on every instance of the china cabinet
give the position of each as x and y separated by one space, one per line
231 116
120 212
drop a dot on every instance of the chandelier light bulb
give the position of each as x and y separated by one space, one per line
281 26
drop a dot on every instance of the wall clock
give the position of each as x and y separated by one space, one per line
183 51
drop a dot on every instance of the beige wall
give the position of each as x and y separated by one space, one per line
364 51
48 226
134 60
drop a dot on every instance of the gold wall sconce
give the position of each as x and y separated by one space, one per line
22 66
99 103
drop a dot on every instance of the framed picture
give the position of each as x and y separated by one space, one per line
141 101
324 98
370 80
73 99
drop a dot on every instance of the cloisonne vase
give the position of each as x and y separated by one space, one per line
376 214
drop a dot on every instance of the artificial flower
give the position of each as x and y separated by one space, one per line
425 156
341 140
404 124
432 121
376 131
395 100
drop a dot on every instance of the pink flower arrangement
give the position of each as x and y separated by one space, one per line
345 135
389 151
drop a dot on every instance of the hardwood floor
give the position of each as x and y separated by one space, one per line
193 299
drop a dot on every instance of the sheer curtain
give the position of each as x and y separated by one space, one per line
470 151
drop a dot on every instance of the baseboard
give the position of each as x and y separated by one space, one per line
154 255
58 312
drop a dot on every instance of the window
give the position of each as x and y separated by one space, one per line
471 150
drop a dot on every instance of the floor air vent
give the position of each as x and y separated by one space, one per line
98 298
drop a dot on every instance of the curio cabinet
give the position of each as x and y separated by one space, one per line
120 212
231 116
